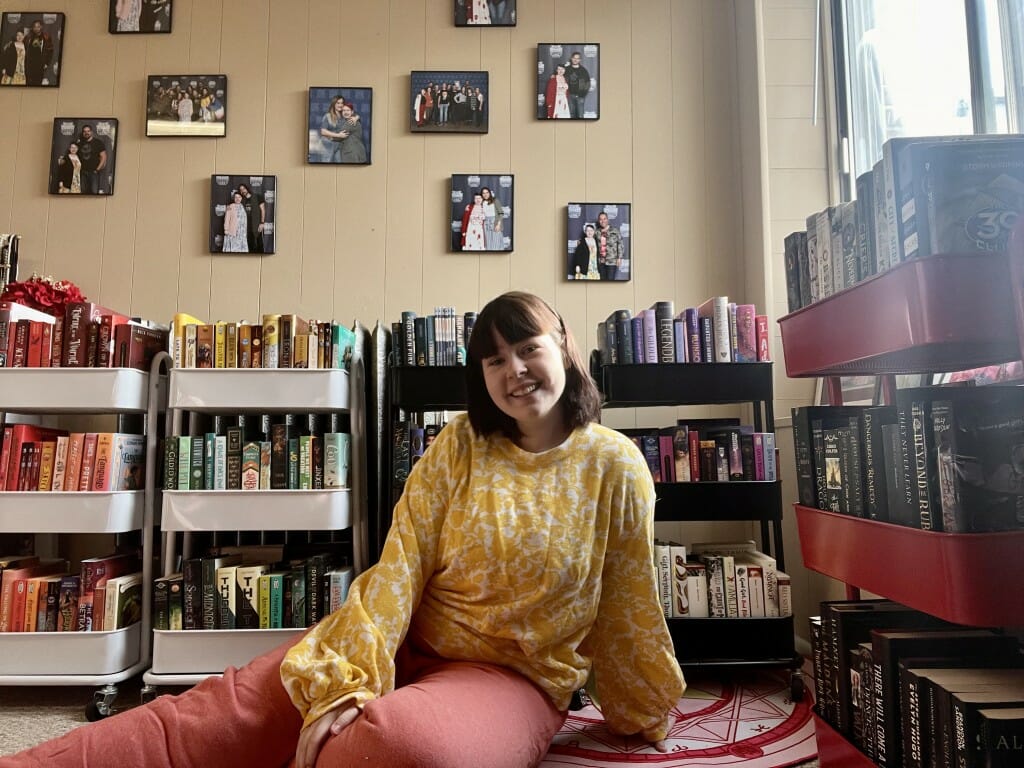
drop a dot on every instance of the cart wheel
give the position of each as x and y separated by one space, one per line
101 705
92 712
147 694
796 686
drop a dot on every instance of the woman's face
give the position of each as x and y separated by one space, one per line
73 150
559 70
346 111
485 193
589 230
339 105
478 199
19 36
237 197
526 379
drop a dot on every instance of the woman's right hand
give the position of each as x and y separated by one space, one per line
314 736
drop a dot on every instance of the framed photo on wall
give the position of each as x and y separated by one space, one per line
449 102
147 16
599 242
82 156
568 81
474 13
31 45
340 125
481 212
187 105
242 213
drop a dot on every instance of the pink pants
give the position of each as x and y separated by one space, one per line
441 713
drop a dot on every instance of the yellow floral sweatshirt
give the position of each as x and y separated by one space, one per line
540 562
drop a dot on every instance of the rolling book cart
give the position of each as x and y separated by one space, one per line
103 658
941 313
186 657
715 642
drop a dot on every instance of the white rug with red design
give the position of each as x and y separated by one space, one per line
749 721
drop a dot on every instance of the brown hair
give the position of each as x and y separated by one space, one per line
515 316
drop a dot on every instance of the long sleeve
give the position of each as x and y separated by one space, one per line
638 678
350 654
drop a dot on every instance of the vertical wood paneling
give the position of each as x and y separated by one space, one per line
367 242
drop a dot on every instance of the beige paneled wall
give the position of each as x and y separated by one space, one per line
368 242
798 185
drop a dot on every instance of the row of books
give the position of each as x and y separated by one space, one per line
408 442
718 331
437 339
287 460
707 450
35 458
44 596
720 580
927 195
87 335
909 690
223 592
279 341
942 458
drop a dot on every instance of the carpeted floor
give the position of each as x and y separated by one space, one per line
747 722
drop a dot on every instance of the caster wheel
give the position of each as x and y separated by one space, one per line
796 687
93 713
147 694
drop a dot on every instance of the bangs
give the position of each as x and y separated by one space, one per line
513 320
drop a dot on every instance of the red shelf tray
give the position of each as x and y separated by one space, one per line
966 578
834 751
946 312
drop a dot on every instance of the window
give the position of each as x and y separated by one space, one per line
924 67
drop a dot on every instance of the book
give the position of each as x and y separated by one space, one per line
123 605
716 308
246 595
889 646
177 337
79 317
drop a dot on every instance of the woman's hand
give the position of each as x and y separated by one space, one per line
660 745
313 738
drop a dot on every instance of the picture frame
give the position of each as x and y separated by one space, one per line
446 101
31 47
568 81
243 223
148 17
330 141
83 156
187 105
485 13
476 224
599 242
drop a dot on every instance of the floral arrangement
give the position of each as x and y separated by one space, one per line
43 293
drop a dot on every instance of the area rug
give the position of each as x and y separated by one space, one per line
746 720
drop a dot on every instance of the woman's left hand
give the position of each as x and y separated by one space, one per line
660 745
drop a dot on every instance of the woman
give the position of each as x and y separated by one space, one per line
473 237
419 107
69 172
556 95
12 61
333 128
128 12
478 12
584 260
494 217
236 226
496 593
353 150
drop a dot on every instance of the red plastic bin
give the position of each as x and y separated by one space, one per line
834 751
941 313
966 578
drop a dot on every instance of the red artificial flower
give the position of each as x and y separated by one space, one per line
43 293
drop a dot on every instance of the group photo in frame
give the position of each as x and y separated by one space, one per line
242 209
568 81
481 212
598 245
140 16
31 45
186 105
449 102
82 156
485 13
340 125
